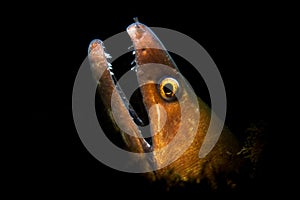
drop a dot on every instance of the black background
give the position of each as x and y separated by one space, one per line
54 161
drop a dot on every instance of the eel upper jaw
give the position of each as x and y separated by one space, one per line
152 63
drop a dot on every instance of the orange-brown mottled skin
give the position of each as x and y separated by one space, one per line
221 163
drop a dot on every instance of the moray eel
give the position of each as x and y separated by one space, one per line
164 91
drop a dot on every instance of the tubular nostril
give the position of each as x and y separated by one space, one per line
136 20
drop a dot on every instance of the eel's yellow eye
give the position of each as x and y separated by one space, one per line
168 88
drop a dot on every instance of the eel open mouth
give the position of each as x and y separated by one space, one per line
159 81
172 109
128 115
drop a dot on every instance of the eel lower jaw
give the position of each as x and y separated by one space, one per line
122 115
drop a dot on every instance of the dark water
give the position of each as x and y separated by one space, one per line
58 161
